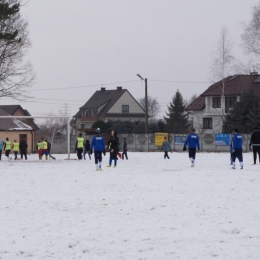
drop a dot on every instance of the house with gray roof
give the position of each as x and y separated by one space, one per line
207 109
116 104
17 110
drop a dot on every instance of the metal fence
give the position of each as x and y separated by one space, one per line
144 143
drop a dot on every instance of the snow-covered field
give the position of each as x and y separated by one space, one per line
146 208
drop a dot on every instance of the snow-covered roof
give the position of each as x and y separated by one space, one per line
12 124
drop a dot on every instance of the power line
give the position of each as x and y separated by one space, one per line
122 82
179 82
89 86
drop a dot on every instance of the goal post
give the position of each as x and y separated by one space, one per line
42 117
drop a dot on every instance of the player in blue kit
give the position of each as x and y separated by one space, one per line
98 144
237 141
193 142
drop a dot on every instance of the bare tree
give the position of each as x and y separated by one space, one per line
15 74
193 97
153 107
222 67
246 68
251 35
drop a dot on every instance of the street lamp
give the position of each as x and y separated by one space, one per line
146 103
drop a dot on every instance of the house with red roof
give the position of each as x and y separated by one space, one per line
208 110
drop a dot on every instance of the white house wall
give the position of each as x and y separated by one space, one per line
126 99
198 122
142 119
208 112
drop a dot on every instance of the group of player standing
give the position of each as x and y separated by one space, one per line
236 151
236 142
98 145
7 146
192 141
43 147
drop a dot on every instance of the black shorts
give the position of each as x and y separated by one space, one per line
192 153
237 154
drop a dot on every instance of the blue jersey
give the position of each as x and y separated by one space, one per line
237 141
192 141
97 143
1 144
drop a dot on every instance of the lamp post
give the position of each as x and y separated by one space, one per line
146 107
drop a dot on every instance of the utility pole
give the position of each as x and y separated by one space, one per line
146 107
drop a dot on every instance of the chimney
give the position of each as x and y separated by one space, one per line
103 89
254 73
119 88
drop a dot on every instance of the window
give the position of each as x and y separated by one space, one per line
229 103
82 126
216 102
88 113
207 123
95 113
125 108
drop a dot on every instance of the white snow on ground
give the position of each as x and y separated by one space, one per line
146 208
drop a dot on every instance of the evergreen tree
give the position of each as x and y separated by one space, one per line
245 115
100 124
139 129
177 120
122 127
158 126
119 127
161 126
129 126
152 127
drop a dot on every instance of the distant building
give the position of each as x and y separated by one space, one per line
206 109
17 128
106 105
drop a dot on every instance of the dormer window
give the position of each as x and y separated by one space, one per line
125 108
88 113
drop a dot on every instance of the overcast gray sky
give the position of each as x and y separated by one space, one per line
79 45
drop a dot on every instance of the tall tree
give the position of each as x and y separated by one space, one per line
52 124
222 67
161 126
251 35
177 118
153 107
139 128
245 114
15 74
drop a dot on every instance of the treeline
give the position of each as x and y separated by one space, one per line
128 127
176 121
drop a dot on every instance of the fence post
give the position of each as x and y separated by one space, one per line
201 143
